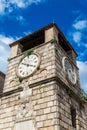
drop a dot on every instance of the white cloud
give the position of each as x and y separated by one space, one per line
7 6
80 25
27 33
77 33
23 3
17 3
83 74
2 6
6 40
21 20
35 1
4 50
2 59
77 36
4 54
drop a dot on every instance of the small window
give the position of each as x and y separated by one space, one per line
73 117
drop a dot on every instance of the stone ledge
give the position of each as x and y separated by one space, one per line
30 85
10 92
55 78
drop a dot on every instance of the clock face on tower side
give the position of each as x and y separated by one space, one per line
69 70
28 65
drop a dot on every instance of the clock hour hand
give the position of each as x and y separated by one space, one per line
70 73
30 65
24 64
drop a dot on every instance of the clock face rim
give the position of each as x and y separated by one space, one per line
63 60
17 70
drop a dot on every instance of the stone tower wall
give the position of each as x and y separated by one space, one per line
41 100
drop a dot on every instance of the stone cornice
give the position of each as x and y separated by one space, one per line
10 92
55 79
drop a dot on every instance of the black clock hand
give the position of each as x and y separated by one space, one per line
24 64
30 65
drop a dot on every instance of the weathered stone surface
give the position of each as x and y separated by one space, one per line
26 125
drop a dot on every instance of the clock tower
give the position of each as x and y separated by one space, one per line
42 87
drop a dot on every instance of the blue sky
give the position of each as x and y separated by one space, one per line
21 17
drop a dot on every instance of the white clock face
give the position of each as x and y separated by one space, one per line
28 65
69 70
